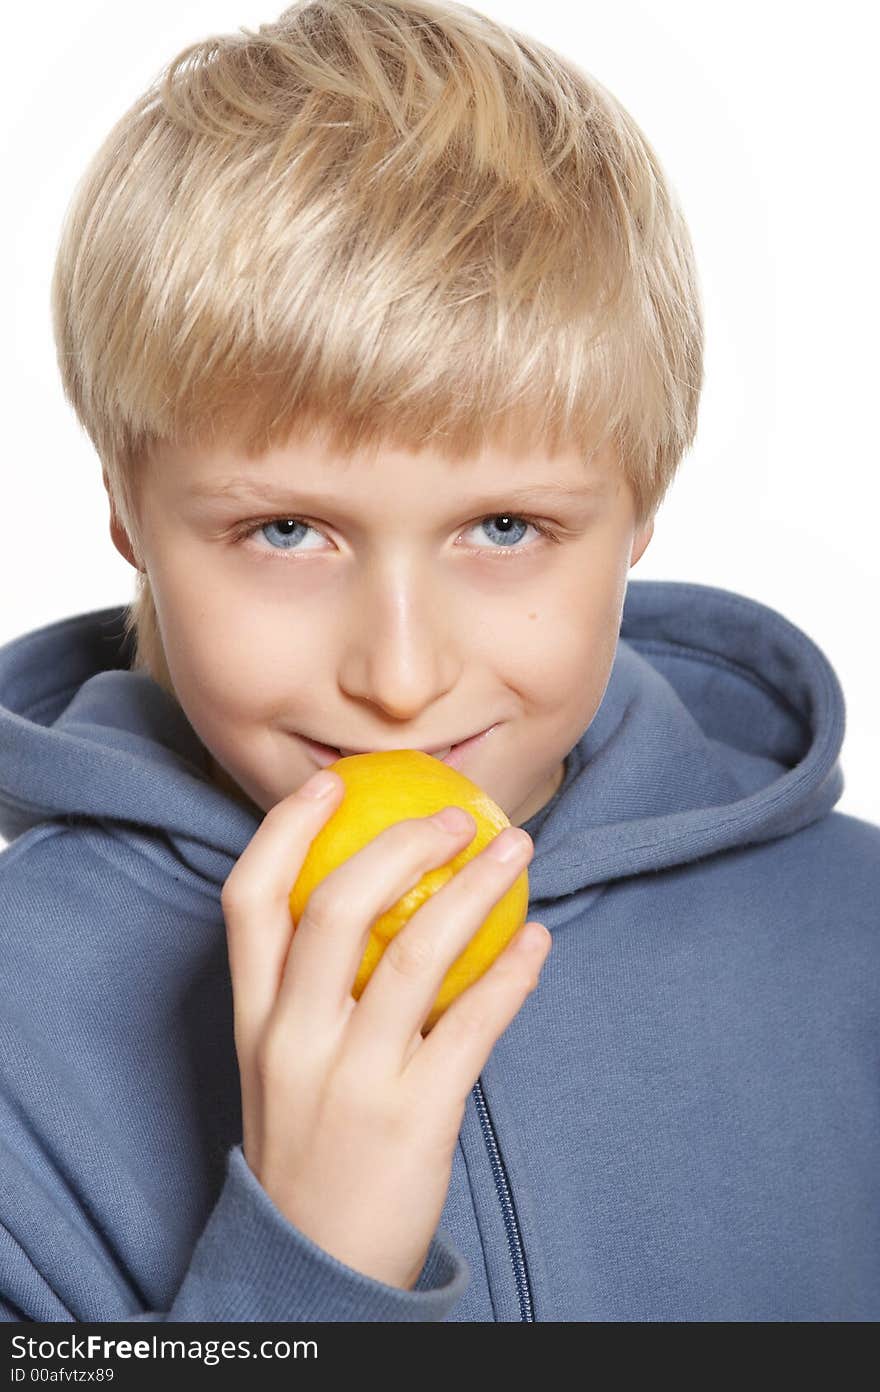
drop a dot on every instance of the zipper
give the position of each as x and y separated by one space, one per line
514 1238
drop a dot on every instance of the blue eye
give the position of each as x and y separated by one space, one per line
509 523
293 535
292 530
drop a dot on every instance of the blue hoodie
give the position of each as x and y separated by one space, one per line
682 1122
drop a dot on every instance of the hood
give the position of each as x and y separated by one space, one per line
720 726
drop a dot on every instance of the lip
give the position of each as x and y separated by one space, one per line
324 754
458 752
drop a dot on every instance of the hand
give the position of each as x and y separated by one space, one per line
350 1114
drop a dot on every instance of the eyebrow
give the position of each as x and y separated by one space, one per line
250 490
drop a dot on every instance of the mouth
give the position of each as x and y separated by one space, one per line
449 754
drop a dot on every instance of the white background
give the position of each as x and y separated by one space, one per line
763 117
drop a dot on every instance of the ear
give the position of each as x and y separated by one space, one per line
118 533
640 544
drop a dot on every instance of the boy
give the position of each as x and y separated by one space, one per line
385 326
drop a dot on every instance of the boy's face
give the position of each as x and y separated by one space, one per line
400 602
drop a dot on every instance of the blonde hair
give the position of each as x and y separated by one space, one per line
393 220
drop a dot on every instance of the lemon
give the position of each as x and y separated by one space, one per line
384 788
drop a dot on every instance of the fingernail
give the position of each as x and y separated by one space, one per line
321 785
533 935
454 819
510 843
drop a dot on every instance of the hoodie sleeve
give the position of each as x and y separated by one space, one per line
250 1264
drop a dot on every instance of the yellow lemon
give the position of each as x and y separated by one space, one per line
384 788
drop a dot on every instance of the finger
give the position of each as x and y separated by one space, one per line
452 1056
255 900
399 995
335 926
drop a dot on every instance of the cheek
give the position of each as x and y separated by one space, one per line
224 652
569 667
228 661
569 639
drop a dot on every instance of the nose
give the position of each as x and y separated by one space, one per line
400 651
